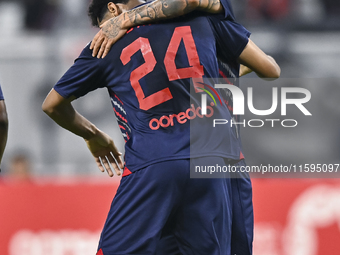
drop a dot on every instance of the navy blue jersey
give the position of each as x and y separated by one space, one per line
1 95
228 10
229 72
147 74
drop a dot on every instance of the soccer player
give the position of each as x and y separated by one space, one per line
147 77
252 58
3 125
230 70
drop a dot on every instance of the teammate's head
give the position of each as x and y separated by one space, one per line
98 9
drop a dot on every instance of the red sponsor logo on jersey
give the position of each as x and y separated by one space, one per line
181 118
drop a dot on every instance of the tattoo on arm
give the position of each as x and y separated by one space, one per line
159 9
169 8
212 4
154 11
112 28
163 9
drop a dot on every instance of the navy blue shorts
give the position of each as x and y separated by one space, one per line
161 210
243 217
242 220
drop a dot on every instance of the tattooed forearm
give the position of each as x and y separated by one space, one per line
151 12
158 10
164 9
115 28
170 8
213 4
155 11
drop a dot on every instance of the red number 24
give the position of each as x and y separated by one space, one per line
194 71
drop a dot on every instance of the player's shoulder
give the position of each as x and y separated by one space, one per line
218 22
85 57
1 95
86 53
228 10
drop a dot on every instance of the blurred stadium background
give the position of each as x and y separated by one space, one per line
54 200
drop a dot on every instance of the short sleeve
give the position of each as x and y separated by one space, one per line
1 95
85 75
228 10
231 37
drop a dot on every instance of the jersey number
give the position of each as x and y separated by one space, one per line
194 71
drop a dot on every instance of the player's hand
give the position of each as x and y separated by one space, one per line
105 153
111 31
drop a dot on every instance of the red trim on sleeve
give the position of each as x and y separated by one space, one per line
121 127
225 77
126 172
119 115
120 101
241 155
100 252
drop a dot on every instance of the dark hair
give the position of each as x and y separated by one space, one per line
98 8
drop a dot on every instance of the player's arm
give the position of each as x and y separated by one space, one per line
113 29
254 59
100 144
3 127
244 70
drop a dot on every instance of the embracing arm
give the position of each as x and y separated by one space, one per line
254 59
164 9
3 127
100 144
115 28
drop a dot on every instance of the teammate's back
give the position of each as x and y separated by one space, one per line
148 74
